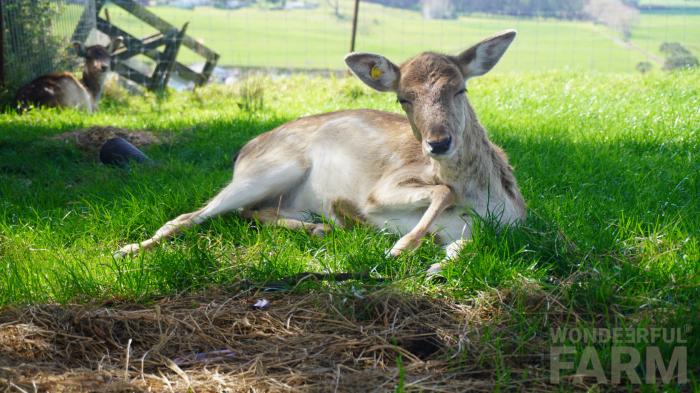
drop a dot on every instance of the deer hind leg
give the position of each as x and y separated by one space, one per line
276 217
246 190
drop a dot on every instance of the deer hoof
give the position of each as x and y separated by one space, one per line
394 252
404 244
319 230
434 269
126 250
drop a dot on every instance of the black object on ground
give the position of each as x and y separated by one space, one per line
118 151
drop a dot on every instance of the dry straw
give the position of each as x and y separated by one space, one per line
311 342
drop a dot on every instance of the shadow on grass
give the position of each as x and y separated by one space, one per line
577 245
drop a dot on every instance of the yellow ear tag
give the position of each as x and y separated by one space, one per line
375 73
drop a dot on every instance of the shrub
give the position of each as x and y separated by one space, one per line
644 67
30 43
677 56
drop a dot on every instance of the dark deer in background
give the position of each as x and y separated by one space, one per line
63 89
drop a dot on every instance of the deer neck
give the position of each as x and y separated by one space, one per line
94 85
472 165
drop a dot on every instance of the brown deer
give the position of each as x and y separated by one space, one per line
428 171
63 89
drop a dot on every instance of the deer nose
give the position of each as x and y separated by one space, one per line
440 146
104 68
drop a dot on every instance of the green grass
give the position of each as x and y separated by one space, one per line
656 28
316 39
609 167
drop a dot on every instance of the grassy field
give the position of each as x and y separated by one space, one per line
653 29
608 165
317 39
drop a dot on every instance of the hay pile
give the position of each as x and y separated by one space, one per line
91 139
220 343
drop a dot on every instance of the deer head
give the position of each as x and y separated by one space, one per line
431 89
97 57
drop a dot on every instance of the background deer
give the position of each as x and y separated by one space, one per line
63 89
428 171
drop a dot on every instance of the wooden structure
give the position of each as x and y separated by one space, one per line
168 37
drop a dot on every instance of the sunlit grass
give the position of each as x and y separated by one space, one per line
608 165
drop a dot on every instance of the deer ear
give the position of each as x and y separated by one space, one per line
376 71
114 45
79 48
480 58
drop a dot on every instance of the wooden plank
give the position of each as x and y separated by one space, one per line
133 75
186 73
134 46
206 71
154 20
167 60
161 75
176 51
81 31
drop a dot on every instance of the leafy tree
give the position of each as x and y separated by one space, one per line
677 56
615 14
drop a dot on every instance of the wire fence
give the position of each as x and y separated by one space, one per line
315 35
36 37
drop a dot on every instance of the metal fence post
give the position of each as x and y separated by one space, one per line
354 25
2 47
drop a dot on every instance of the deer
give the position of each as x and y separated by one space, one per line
63 89
428 172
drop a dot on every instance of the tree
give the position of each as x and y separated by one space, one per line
677 56
615 14
437 9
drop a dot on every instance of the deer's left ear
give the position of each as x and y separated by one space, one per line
480 58
114 45
79 48
376 71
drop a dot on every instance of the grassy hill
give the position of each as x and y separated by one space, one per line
316 38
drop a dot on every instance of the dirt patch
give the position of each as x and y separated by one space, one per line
314 342
91 139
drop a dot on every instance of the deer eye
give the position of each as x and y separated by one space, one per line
402 101
461 92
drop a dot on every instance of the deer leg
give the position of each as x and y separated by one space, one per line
437 198
240 194
275 217
452 250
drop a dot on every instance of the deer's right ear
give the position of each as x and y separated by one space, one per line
376 71
79 48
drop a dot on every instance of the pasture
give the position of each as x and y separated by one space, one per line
608 165
317 39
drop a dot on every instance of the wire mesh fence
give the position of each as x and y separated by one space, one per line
315 35
37 35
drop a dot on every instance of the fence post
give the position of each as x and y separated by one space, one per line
2 47
354 25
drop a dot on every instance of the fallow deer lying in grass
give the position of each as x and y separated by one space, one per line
63 89
424 172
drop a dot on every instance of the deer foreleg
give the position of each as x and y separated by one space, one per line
439 198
